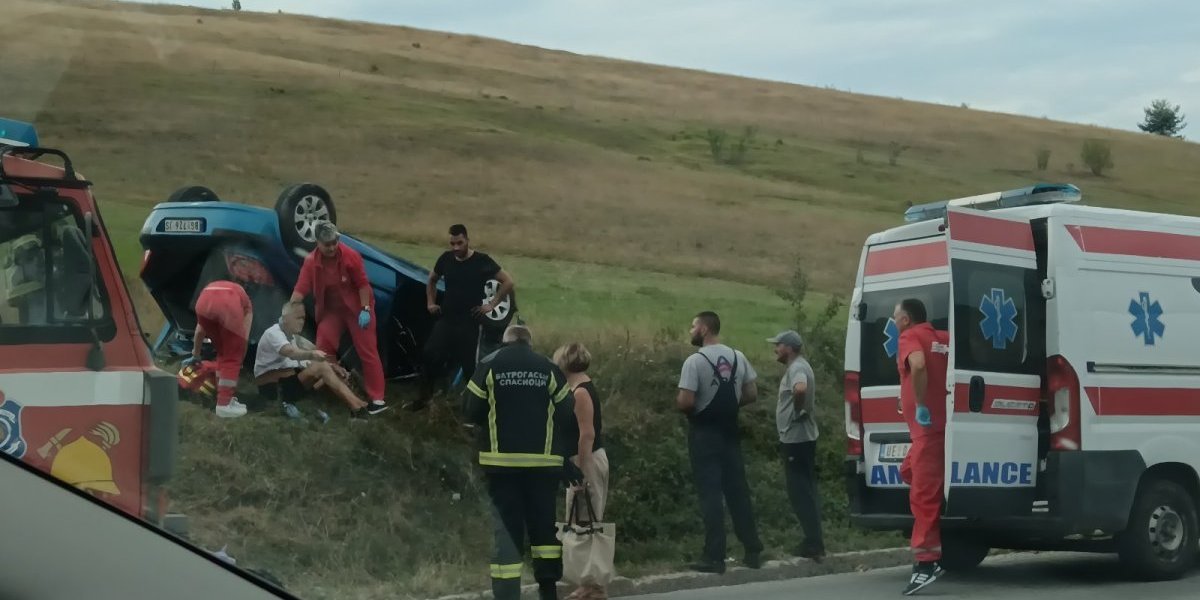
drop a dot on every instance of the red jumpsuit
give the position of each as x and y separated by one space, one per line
221 311
335 284
924 466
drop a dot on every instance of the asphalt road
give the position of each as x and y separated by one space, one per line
1061 576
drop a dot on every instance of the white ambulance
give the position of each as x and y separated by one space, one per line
1073 397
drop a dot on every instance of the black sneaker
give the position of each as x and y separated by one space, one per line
753 560
361 415
923 574
813 553
377 406
707 566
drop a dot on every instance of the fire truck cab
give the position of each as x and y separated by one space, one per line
1073 392
79 394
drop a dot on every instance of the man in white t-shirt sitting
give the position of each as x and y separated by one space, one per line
292 364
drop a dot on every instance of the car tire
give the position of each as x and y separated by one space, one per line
962 552
1159 541
300 208
193 193
504 313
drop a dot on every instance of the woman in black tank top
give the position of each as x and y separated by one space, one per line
582 429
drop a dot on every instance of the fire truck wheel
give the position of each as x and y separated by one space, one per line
961 551
1159 542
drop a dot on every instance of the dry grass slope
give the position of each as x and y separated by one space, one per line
545 153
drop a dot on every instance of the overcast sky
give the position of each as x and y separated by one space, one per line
1087 61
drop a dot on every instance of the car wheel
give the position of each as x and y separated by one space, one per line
300 208
1159 542
502 315
193 193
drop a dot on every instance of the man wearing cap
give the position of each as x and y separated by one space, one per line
334 274
795 420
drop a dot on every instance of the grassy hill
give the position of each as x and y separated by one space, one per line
592 180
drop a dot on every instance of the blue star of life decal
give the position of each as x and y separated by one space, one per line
999 322
1146 318
891 345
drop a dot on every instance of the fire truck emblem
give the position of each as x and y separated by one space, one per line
84 461
1146 318
11 441
891 333
999 322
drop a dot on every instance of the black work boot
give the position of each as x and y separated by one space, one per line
547 590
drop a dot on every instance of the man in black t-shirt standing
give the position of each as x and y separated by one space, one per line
457 333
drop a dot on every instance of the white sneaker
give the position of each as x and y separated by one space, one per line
232 410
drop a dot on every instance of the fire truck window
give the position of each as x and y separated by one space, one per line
879 336
45 276
992 318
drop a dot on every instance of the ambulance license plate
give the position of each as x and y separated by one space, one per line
183 225
893 452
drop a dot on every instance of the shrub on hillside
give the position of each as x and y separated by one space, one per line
1043 158
1097 155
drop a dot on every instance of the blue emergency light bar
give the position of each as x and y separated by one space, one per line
1042 193
17 133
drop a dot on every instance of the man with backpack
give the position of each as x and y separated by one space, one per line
714 384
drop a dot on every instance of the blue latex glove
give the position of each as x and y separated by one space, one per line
364 318
189 361
924 419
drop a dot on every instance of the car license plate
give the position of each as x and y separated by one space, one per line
183 225
893 452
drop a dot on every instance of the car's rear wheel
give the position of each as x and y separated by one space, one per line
300 208
193 193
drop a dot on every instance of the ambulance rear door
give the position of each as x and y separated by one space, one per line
997 355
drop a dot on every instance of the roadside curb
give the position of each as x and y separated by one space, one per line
774 570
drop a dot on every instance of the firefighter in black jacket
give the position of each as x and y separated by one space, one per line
512 398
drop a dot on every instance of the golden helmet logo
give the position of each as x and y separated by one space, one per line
84 462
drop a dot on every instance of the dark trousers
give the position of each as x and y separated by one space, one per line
523 503
800 472
720 475
453 340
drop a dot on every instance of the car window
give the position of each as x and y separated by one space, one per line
44 258
994 312
879 335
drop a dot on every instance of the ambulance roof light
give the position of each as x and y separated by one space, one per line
17 133
1042 193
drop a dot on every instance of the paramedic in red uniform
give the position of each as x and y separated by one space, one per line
922 361
334 274
224 314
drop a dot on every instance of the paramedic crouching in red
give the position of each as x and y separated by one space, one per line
334 274
224 314
922 361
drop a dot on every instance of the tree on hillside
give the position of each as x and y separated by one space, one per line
237 4
1163 119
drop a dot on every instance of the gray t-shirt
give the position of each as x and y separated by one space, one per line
698 375
797 426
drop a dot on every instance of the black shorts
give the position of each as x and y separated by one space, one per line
287 389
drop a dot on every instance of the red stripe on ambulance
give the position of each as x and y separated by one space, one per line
1106 240
991 231
1144 402
906 258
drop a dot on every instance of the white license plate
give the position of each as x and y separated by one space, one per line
183 225
893 452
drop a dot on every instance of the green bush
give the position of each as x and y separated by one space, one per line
1097 155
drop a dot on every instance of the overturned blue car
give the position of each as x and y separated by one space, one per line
195 238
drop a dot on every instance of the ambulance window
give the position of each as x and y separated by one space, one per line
44 276
993 318
879 338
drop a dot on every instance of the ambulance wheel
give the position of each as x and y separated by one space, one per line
193 193
961 552
300 208
1159 542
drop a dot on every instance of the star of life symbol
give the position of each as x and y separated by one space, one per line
999 323
1146 318
891 345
